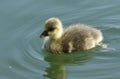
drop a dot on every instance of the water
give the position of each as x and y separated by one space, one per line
21 55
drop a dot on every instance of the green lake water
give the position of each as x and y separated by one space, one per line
21 53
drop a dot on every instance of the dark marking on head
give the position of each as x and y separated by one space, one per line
51 29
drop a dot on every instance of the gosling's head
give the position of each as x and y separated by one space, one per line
53 28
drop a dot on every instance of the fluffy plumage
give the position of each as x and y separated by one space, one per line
75 38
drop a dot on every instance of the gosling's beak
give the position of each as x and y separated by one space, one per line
44 34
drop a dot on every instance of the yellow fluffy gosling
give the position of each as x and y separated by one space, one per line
75 38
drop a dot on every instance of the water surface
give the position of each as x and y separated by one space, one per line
21 55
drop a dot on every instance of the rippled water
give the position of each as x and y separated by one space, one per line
21 55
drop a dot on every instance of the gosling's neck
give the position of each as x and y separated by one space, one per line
56 37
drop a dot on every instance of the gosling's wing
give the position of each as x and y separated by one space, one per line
76 35
76 31
81 36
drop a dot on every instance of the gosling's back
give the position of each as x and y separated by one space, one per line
80 37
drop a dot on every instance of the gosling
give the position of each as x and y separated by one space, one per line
75 38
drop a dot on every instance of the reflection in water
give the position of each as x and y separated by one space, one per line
57 68
56 71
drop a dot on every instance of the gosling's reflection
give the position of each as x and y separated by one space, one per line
56 71
57 68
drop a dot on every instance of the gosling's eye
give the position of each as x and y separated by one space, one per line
51 29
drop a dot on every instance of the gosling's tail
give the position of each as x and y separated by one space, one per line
102 45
